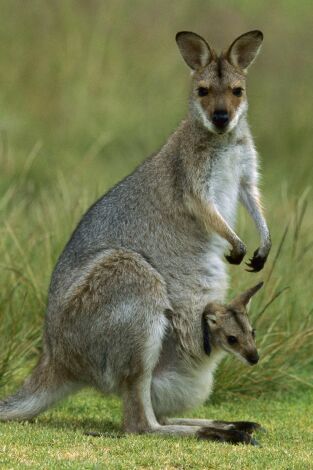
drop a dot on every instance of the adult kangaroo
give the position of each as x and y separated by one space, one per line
146 259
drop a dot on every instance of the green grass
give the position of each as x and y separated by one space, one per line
57 439
88 90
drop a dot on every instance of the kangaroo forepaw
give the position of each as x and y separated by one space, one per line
234 259
256 263
236 256
233 436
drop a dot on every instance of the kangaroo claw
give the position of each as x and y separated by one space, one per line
247 426
256 263
236 257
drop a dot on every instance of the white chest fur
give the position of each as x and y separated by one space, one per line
181 388
224 180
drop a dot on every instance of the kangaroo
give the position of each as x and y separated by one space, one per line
113 362
154 244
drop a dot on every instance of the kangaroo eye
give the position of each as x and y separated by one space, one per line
202 91
232 339
237 91
253 333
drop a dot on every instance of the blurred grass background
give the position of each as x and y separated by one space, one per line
87 90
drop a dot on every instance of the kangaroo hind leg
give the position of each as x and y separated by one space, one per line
246 426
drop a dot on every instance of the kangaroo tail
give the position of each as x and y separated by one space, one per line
43 388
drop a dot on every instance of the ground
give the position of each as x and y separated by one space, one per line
57 438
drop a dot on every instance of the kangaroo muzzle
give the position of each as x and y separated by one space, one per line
220 119
253 358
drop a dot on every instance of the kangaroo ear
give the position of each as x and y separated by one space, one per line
244 49
194 49
243 299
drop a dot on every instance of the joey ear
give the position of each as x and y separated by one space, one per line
194 49
244 49
211 317
242 300
210 312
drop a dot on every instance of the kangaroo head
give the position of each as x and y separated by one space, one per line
228 327
218 94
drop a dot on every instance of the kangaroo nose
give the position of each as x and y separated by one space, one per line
253 358
220 118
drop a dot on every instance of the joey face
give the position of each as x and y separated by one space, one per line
218 92
230 329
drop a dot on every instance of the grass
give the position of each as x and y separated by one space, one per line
89 89
57 439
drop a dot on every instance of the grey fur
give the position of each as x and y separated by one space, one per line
127 294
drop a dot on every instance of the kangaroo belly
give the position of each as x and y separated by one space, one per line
180 387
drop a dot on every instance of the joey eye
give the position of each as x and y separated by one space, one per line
202 91
237 91
232 339
253 333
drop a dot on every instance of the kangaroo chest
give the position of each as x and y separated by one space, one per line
196 274
223 179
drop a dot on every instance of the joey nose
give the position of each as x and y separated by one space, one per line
220 118
253 358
